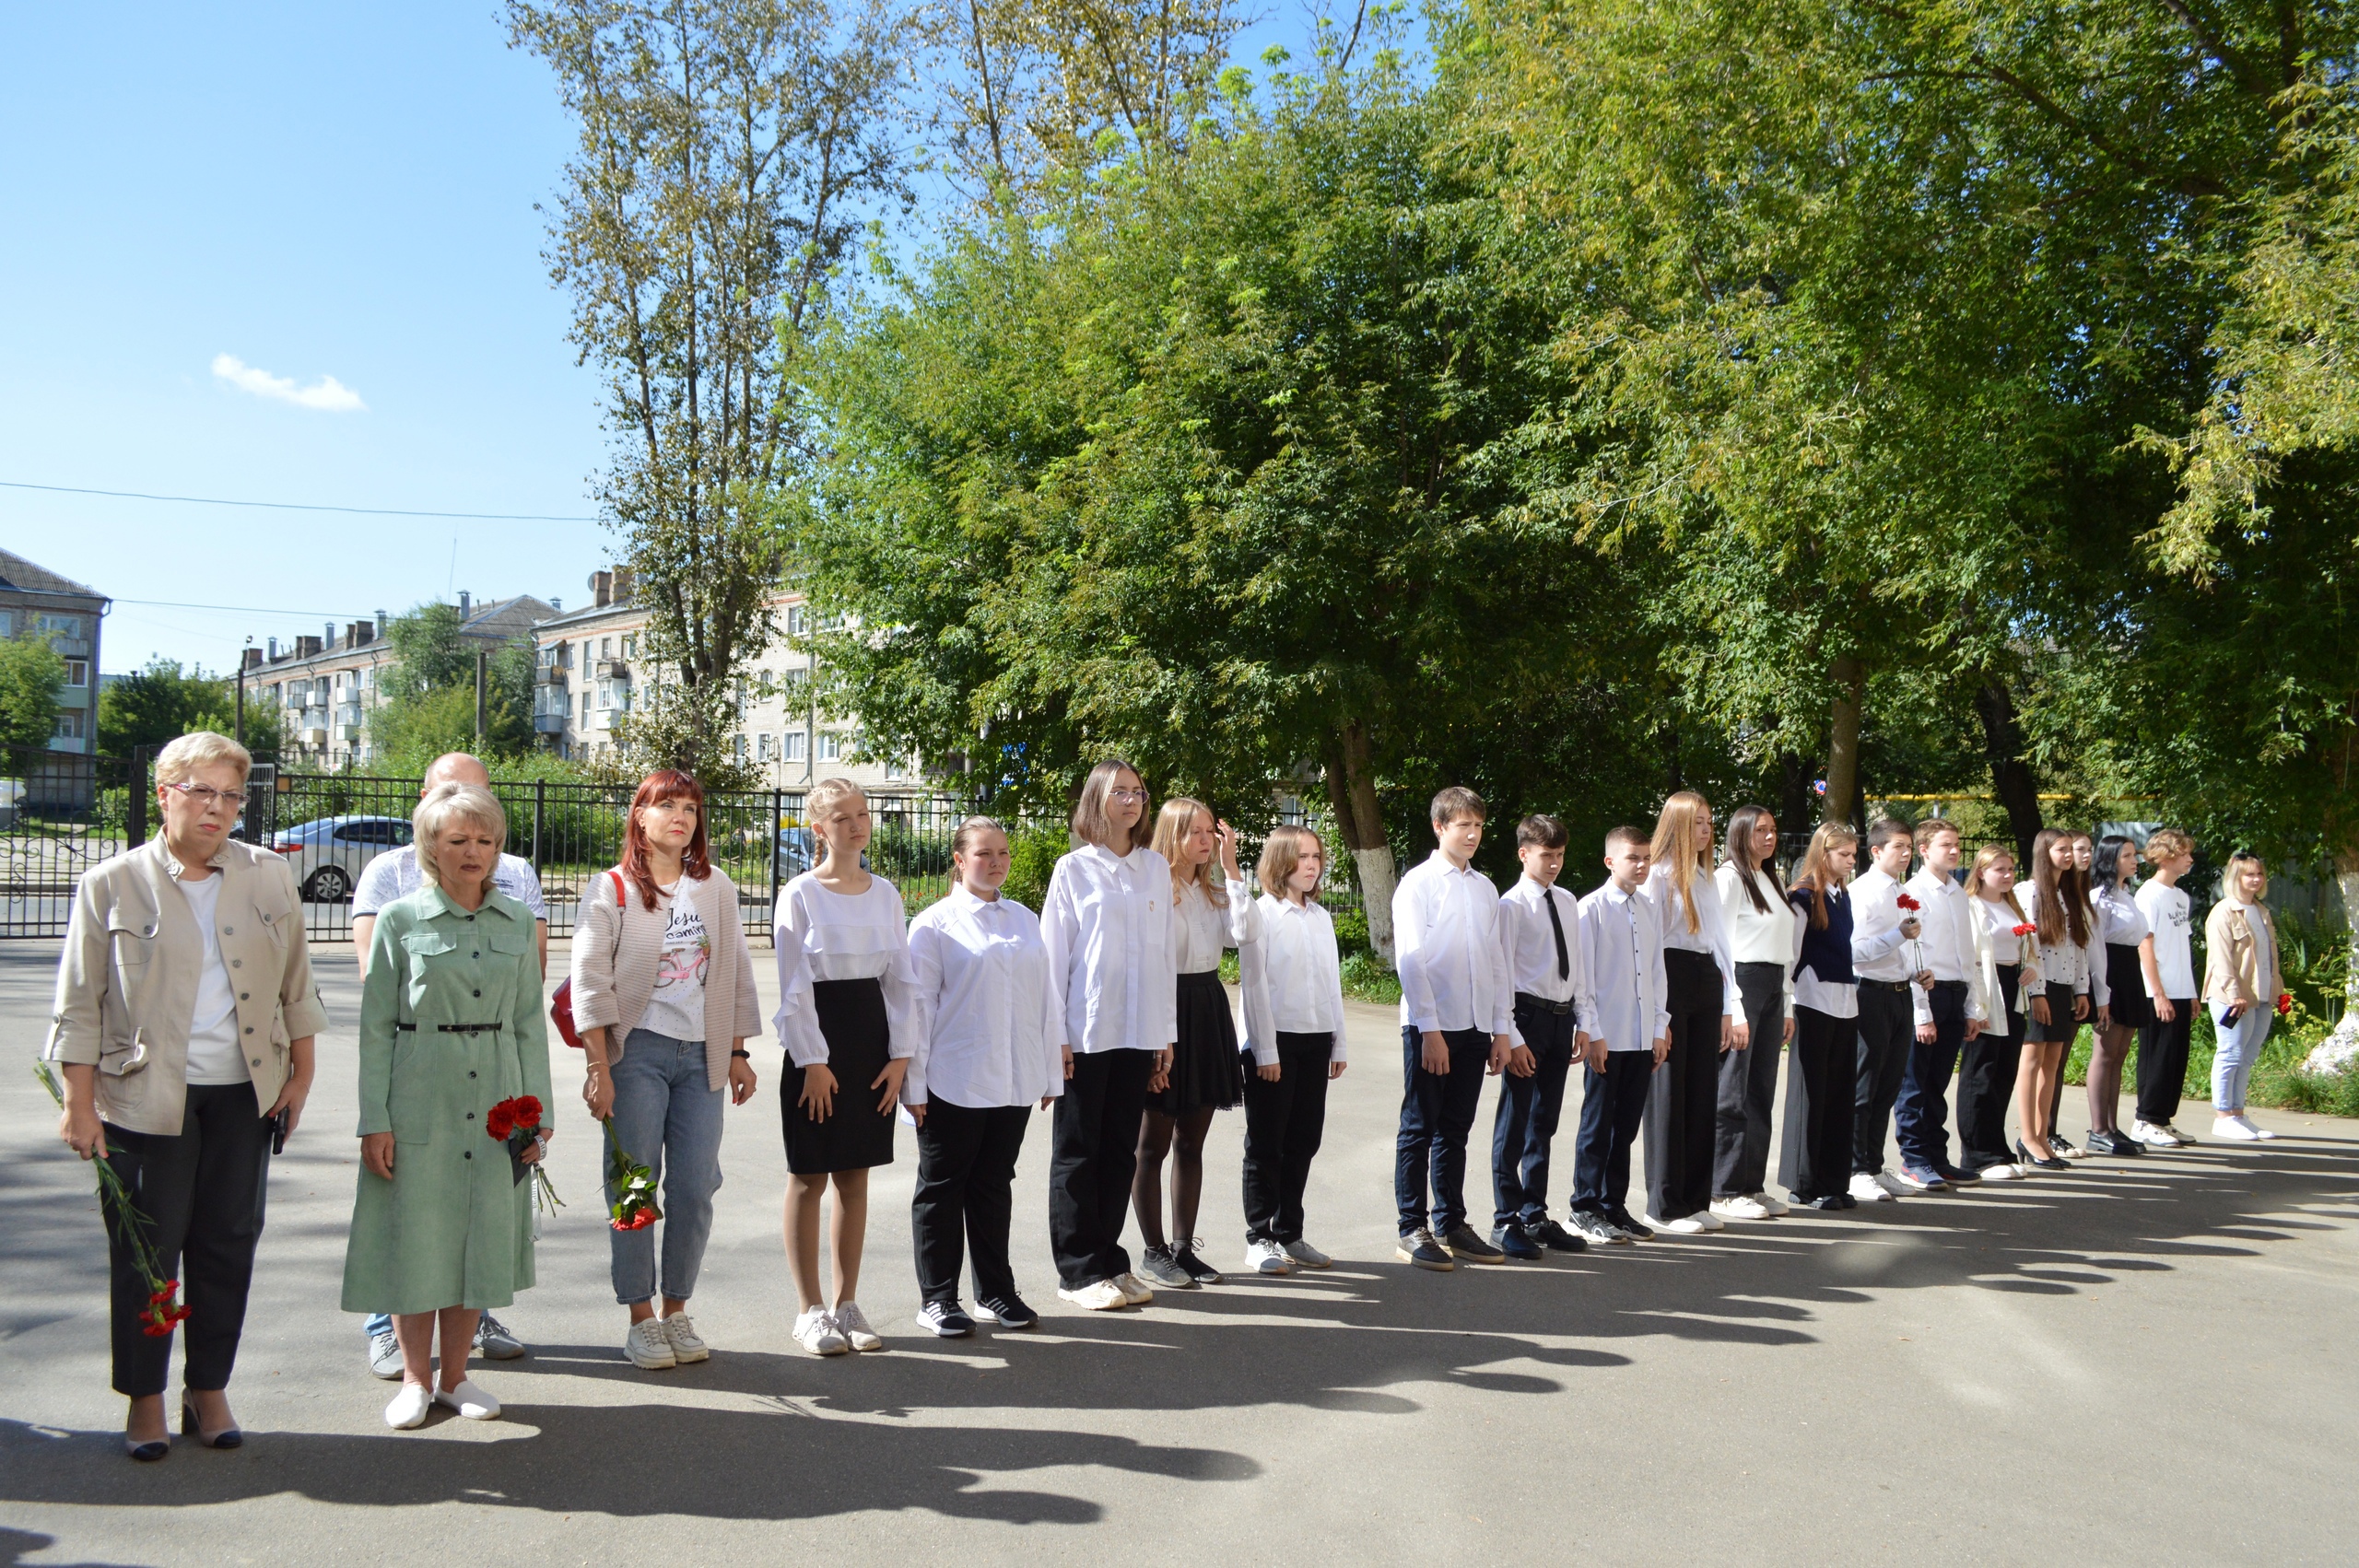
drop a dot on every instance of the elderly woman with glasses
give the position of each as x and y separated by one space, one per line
183 1024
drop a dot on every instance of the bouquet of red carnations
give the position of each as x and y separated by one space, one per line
2026 928
1907 903
163 1312
633 1185
2285 1004
516 1124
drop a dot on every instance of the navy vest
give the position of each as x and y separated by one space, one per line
1826 953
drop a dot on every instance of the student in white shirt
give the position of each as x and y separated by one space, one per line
2054 898
1457 1022
1814 1157
2081 854
1623 947
986 1052
2007 985
1948 1012
1540 930
2169 962
1212 909
1706 1019
1760 926
2122 940
1108 923
845 1017
1888 975
1294 1032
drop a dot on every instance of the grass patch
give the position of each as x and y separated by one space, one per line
2277 1081
1365 976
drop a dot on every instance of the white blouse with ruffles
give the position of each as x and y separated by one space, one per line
843 936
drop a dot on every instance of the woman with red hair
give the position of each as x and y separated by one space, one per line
664 995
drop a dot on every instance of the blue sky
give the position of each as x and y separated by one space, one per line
288 253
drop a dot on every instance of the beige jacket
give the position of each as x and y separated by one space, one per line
2231 959
127 980
614 955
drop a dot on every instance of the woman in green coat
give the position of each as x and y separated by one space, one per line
451 1026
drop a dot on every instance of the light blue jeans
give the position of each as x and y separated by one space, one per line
2232 1062
669 1121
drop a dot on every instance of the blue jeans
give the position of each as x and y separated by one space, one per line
669 1121
2238 1049
1437 1113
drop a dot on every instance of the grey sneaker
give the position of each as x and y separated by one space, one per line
648 1348
494 1342
1419 1249
384 1356
1306 1256
1158 1267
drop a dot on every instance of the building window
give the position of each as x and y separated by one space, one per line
762 748
69 725
585 707
606 648
7 622
831 746
798 620
77 672
61 625
790 747
737 747
630 646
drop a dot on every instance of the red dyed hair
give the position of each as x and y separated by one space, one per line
666 784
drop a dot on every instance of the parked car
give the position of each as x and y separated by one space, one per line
327 853
796 854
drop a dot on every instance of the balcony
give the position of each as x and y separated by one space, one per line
548 723
601 720
349 714
71 646
614 669
312 735
551 675
346 734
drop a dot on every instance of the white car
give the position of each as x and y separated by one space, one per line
327 853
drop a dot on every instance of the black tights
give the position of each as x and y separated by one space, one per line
1183 1138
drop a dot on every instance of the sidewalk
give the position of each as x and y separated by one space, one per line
2136 1361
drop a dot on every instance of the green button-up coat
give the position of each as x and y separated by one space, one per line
452 1227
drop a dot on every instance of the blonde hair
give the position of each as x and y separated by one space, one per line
200 748
1674 846
2165 842
1817 870
825 795
1984 859
972 828
1282 857
2236 863
1174 823
444 804
1090 823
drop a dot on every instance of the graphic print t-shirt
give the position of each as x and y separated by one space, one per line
676 1008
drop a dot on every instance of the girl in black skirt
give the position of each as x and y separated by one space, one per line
1211 909
2064 935
846 1015
2121 931
2006 972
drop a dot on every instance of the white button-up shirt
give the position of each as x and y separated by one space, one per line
1709 938
986 1022
1446 942
1946 940
1878 950
1294 977
1108 924
1201 929
1623 947
1529 943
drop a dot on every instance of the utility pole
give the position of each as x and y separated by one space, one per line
483 671
241 694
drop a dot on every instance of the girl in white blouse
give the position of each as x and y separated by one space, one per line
847 1016
1108 924
1211 909
1760 927
2123 939
986 1051
2007 984
1706 1019
2055 900
1294 1028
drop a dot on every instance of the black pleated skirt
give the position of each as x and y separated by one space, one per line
856 1135
2060 1026
1204 1068
2129 1005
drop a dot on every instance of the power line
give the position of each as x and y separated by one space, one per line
293 506
241 609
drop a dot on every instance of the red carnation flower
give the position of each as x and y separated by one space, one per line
528 1112
2284 1004
499 1123
2025 928
1907 903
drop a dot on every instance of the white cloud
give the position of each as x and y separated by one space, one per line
327 392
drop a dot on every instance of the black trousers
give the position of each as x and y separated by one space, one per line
966 1197
1748 1088
1887 1029
1814 1160
1986 1080
1097 1154
201 1191
1437 1113
1613 1104
1283 1124
1921 1116
1683 1099
1529 1112
2162 1063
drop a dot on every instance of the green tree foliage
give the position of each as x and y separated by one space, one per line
161 702
428 690
30 672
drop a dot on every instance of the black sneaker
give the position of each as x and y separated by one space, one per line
1596 1228
1466 1245
1510 1239
1419 1249
1555 1237
1833 1203
1629 1226
1195 1267
1008 1311
1958 1177
1845 1200
945 1320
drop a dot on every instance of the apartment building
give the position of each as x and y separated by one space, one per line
592 670
37 602
325 687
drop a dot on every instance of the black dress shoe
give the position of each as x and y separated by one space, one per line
1512 1240
2114 1142
2023 1153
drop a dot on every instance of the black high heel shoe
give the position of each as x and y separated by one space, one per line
228 1438
2028 1158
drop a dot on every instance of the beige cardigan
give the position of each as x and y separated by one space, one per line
127 980
2231 958
614 955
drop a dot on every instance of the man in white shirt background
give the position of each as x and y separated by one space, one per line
1888 977
1947 1015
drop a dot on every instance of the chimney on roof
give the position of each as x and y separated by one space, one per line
306 647
328 640
601 590
253 658
381 623
556 606
273 650
466 605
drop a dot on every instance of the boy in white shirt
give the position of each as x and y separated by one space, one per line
1540 932
1622 945
1947 1013
1456 1025
2168 960
1890 975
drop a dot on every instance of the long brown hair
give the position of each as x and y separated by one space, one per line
1742 824
664 784
2063 895
1817 870
1674 847
1090 823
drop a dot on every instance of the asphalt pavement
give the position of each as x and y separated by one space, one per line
2143 1361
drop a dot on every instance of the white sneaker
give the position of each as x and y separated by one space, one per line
1134 1289
1267 1257
1776 1207
1709 1221
852 1324
1103 1296
1686 1225
409 1406
816 1332
1891 1182
687 1345
2153 1137
2261 1133
469 1400
649 1347
1999 1173
2176 1136
1740 1209
2235 1129
1868 1190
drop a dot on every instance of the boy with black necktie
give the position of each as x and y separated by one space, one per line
1947 1014
1622 945
1540 933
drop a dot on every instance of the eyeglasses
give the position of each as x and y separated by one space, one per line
205 797
1126 794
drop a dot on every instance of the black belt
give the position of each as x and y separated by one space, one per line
1949 985
459 1028
1525 998
1900 986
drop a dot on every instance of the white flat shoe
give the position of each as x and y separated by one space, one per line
1775 1206
1686 1225
469 1400
408 1410
1999 1173
2235 1129
1740 1209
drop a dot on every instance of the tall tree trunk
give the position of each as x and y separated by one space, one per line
1850 680
2010 775
1351 794
1793 791
1673 780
